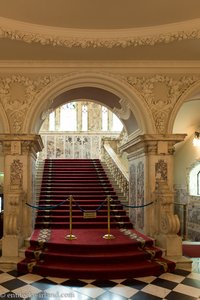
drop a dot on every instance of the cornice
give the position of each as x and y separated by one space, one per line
149 142
135 67
96 38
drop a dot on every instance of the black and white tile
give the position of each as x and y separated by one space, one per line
180 285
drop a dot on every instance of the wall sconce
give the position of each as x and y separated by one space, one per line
196 139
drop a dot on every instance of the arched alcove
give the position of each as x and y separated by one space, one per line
185 115
185 119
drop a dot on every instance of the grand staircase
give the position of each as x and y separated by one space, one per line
89 246
87 183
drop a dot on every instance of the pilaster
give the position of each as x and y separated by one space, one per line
20 153
150 159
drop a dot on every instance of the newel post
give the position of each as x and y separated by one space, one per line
166 223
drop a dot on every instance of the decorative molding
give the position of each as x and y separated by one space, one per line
16 173
119 66
16 95
161 170
124 112
46 114
21 144
109 38
166 222
161 92
150 143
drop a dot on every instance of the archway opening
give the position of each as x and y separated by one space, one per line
76 129
187 167
118 104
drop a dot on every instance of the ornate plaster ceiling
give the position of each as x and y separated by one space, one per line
99 30
103 30
100 14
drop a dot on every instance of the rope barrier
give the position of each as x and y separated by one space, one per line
83 210
45 207
138 206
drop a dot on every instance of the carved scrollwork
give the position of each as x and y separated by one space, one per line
161 92
169 223
16 95
11 218
16 173
124 112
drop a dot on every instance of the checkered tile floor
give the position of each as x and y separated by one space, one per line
182 284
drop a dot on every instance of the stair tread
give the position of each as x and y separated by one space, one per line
89 256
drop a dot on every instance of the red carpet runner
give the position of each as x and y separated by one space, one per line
129 254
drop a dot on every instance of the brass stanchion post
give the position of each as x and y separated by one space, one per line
108 236
70 236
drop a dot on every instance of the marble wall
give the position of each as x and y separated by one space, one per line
72 146
191 204
137 193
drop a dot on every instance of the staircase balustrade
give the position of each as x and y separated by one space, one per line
117 169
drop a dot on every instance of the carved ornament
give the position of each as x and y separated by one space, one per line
164 198
169 223
16 95
124 112
16 173
161 92
85 38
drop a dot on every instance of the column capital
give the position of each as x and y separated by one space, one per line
19 144
156 144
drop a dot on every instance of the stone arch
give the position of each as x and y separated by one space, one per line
191 93
109 90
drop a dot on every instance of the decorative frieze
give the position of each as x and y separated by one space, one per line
67 37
